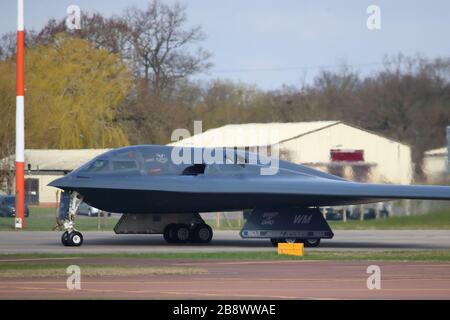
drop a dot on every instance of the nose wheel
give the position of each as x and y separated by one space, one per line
72 239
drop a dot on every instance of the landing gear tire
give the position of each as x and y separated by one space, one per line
311 243
181 233
75 239
168 233
72 239
201 234
65 239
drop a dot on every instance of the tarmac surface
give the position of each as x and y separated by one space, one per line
235 280
241 280
224 241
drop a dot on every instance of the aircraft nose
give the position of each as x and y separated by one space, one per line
59 183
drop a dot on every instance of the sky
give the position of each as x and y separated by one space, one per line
285 42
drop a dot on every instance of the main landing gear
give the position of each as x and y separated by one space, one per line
175 228
183 233
70 202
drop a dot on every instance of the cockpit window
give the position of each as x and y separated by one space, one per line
219 169
119 165
98 165
158 162
124 155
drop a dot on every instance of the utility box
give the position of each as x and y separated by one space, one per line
291 249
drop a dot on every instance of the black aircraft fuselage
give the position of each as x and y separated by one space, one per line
151 179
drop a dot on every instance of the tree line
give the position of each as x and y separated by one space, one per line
128 79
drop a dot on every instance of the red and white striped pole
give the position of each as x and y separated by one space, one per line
20 120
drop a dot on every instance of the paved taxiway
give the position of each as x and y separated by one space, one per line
245 280
288 279
224 241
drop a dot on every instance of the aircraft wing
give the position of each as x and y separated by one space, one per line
322 191
316 191
339 190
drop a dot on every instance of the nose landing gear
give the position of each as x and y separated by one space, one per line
73 239
70 202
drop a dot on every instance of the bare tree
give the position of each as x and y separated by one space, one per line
7 172
148 119
161 44
8 43
106 33
409 101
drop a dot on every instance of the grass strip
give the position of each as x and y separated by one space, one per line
392 255
36 270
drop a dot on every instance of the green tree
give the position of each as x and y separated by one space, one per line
72 94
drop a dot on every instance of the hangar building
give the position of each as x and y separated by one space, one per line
435 165
333 146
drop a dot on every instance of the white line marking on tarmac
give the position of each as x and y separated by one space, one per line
247 262
37 259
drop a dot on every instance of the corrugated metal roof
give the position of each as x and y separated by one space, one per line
59 160
253 134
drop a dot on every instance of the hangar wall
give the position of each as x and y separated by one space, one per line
47 195
392 159
435 163
310 143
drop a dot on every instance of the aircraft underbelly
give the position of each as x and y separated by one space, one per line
142 201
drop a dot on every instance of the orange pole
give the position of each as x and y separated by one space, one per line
20 123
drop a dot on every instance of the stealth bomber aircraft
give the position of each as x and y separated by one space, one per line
162 190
